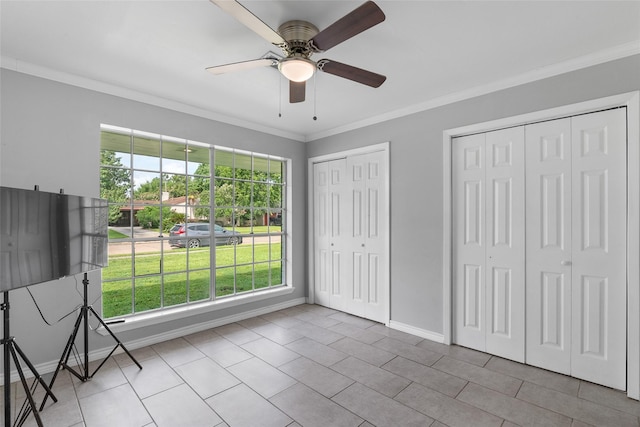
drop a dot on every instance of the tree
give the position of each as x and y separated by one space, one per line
149 217
239 193
176 185
115 183
199 188
224 201
149 190
200 183
275 190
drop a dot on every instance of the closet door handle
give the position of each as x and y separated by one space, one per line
565 262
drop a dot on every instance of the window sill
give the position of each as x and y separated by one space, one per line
169 314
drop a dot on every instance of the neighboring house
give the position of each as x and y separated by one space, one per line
128 212
181 205
177 204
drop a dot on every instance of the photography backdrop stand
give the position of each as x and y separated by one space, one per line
83 317
13 351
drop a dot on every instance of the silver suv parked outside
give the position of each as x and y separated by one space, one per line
198 234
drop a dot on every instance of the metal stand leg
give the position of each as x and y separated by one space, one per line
6 361
84 374
12 351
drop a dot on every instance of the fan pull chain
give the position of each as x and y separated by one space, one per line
315 97
280 97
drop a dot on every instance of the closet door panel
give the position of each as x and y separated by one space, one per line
357 285
375 232
469 248
504 259
331 269
548 229
366 243
339 239
321 227
599 247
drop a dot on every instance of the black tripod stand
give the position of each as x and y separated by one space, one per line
84 374
13 351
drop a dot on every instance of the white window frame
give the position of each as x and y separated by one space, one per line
214 303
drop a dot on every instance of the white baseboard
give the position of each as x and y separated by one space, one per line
422 333
101 353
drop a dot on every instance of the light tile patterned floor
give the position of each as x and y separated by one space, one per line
312 366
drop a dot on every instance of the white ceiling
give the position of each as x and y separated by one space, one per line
432 52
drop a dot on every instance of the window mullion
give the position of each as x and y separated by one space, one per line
187 210
251 215
131 222
160 220
212 215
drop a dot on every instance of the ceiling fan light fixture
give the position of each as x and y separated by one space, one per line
297 69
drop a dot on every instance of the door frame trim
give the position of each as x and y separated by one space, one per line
631 100
384 147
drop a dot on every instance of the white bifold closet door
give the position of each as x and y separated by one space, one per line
350 231
367 225
330 222
576 246
488 271
546 284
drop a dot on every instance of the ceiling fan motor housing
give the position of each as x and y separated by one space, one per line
297 33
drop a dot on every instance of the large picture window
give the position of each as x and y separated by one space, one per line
175 239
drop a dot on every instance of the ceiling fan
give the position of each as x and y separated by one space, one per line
301 39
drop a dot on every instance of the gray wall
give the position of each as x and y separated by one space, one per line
416 173
50 136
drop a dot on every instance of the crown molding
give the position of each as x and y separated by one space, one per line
617 52
16 65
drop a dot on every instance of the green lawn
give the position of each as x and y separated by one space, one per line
113 234
258 229
186 276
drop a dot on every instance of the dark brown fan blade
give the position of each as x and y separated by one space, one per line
255 24
296 91
244 65
362 18
352 73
